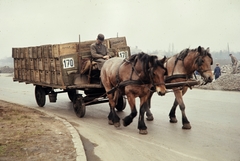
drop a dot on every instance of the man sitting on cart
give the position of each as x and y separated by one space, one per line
100 52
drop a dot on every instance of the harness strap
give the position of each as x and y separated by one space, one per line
169 78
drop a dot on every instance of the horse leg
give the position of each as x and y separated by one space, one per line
128 119
178 96
148 111
113 118
141 124
172 115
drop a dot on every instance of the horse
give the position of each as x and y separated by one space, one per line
138 76
180 68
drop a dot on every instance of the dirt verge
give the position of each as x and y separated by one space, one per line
28 134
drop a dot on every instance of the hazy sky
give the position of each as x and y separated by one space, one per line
148 24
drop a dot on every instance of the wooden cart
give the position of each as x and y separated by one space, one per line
63 66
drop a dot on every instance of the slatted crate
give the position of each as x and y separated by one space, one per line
46 64
47 51
47 77
16 73
59 78
42 76
68 48
27 63
31 62
55 50
37 76
117 42
53 78
23 74
40 64
23 63
34 52
28 75
32 75
30 54
39 52
57 64
52 62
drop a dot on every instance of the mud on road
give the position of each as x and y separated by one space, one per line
28 134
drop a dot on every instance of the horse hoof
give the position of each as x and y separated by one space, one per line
110 122
150 118
117 124
143 132
186 126
173 120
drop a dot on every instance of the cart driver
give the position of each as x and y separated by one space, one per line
100 52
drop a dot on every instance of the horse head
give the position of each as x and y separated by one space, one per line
203 62
157 73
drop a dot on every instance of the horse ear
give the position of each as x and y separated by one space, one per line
163 59
199 49
208 50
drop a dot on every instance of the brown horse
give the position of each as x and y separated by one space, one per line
180 68
138 76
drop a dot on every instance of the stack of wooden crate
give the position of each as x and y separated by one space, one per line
44 65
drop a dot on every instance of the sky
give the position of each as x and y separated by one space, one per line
147 24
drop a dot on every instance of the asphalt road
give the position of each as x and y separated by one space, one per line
214 116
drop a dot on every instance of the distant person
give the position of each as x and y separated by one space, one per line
217 71
235 63
99 51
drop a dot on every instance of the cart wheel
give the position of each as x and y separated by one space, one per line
79 106
121 103
40 96
72 94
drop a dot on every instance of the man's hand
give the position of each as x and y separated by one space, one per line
106 57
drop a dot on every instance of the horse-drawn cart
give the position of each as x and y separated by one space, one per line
68 67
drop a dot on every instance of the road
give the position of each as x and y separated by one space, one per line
214 116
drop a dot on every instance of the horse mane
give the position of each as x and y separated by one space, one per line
184 53
145 59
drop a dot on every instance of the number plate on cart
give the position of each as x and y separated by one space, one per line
68 63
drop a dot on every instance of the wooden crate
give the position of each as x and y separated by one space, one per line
31 63
123 52
21 53
23 65
59 78
55 51
50 51
30 54
47 77
35 64
15 52
34 52
27 63
47 51
52 64
42 76
32 75
40 64
39 51
53 78
19 63
46 64
23 73
117 42
16 73
68 48
25 52
15 61
37 76
28 75
57 64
